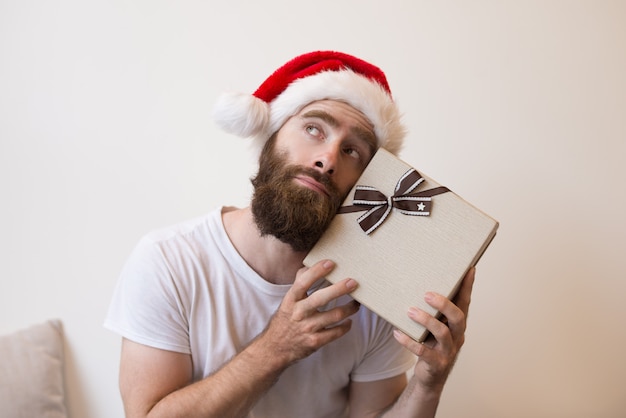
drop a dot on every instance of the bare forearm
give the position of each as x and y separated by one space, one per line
230 392
415 402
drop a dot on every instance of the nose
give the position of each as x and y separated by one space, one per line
324 168
326 160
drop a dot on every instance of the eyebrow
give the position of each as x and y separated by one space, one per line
320 114
363 134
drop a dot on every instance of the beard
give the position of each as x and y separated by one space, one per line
292 213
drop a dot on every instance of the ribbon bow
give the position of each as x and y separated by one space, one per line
378 206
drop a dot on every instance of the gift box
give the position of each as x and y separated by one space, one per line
400 234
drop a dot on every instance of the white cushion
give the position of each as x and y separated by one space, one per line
31 372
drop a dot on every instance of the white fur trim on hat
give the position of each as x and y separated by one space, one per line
248 116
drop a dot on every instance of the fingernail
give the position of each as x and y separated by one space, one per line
351 284
328 264
428 297
413 312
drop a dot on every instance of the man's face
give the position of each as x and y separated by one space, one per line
307 169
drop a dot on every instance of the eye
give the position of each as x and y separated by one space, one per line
312 130
358 151
353 152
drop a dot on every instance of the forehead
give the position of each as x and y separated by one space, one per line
338 109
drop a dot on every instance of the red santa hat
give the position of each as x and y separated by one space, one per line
307 78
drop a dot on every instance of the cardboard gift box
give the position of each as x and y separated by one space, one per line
400 234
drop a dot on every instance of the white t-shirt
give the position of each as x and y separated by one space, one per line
187 289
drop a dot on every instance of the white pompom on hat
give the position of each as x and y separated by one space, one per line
308 78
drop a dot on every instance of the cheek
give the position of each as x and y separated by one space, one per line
303 155
293 150
350 181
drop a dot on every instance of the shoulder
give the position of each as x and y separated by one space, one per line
185 235
163 253
191 227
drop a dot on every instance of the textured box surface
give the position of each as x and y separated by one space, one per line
424 243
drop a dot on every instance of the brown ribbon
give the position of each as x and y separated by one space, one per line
378 206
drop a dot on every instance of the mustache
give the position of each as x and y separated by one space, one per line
294 171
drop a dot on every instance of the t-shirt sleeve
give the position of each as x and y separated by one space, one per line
146 306
385 357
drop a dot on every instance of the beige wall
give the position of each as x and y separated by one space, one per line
518 106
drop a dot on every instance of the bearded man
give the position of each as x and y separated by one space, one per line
219 318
